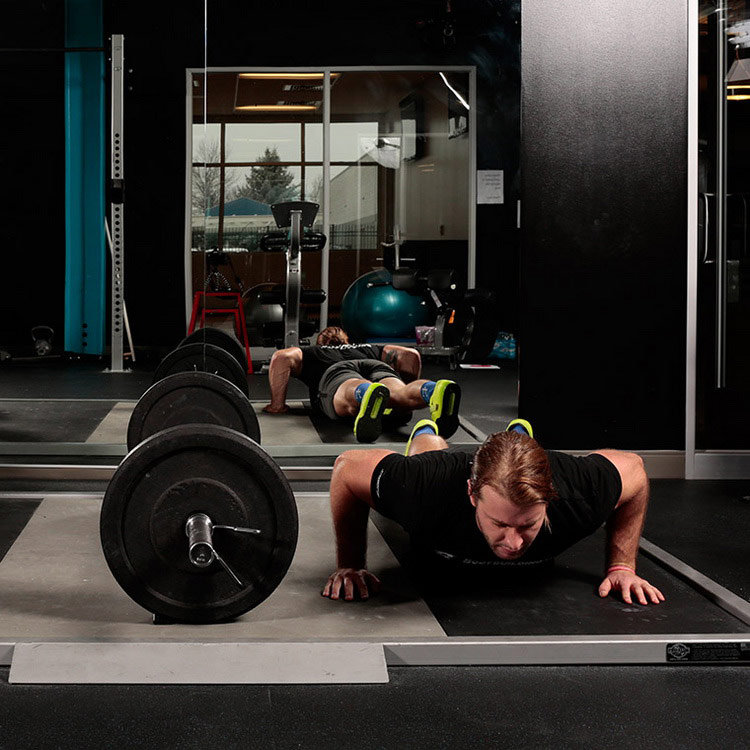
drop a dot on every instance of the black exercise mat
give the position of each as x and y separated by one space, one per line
59 378
554 599
51 421
14 515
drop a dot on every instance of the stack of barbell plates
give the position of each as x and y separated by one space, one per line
192 398
203 358
219 338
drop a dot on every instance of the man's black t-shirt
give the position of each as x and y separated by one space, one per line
317 359
427 495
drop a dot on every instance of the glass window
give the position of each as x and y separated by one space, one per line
254 141
207 143
350 141
313 141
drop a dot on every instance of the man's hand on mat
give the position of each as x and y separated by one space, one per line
343 583
271 409
628 583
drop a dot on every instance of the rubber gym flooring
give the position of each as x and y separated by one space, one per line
54 584
44 591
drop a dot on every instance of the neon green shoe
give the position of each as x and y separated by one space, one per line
444 404
520 425
418 426
367 425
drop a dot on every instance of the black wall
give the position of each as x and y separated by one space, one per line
32 166
603 260
162 39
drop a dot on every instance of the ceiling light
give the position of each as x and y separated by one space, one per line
287 76
277 108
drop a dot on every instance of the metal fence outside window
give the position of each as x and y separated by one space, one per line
343 237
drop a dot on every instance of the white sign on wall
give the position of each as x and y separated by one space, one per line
490 186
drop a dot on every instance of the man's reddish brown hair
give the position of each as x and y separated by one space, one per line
332 336
516 467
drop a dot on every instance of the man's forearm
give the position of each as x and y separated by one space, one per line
350 515
624 529
279 373
407 362
350 527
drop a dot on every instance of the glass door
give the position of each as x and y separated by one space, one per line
722 425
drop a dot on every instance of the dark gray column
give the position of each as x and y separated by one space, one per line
603 249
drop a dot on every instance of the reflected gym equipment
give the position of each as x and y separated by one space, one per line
191 398
219 338
198 525
203 358
222 303
465 325
373 308
265 320
297 217
465 320
42 336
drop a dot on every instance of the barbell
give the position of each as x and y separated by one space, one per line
198 524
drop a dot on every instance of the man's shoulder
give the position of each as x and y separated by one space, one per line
452 459
581 476
567 462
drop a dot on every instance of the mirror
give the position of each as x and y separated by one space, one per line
412 165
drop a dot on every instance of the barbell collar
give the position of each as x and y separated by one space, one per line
198 530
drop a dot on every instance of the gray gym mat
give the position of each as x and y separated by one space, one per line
198 663
55 585
292 428
113 429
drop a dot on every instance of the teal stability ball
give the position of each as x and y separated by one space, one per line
372 308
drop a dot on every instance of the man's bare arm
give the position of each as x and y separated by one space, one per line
284 364
407 362
350 509
624 529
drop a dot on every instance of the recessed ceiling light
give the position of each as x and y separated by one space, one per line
277 107
288 76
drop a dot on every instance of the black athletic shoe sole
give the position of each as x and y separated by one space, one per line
368 424
444 406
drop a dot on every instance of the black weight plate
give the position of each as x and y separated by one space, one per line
203 358
168 478
219 338
191 398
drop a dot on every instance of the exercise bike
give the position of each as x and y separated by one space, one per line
271 309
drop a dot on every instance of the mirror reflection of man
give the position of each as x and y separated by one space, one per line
509 503
366 383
